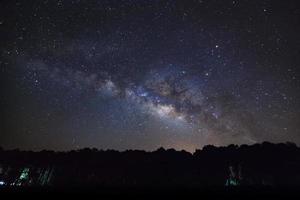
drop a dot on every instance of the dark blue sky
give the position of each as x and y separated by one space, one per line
144 74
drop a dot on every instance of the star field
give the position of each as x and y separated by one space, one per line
144 74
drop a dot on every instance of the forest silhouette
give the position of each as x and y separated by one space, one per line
263 164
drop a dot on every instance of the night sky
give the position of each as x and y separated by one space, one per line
141 74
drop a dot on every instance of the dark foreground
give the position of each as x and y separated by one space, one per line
151 193
260 170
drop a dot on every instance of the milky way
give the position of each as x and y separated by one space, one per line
140 74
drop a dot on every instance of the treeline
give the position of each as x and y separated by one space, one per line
258 164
